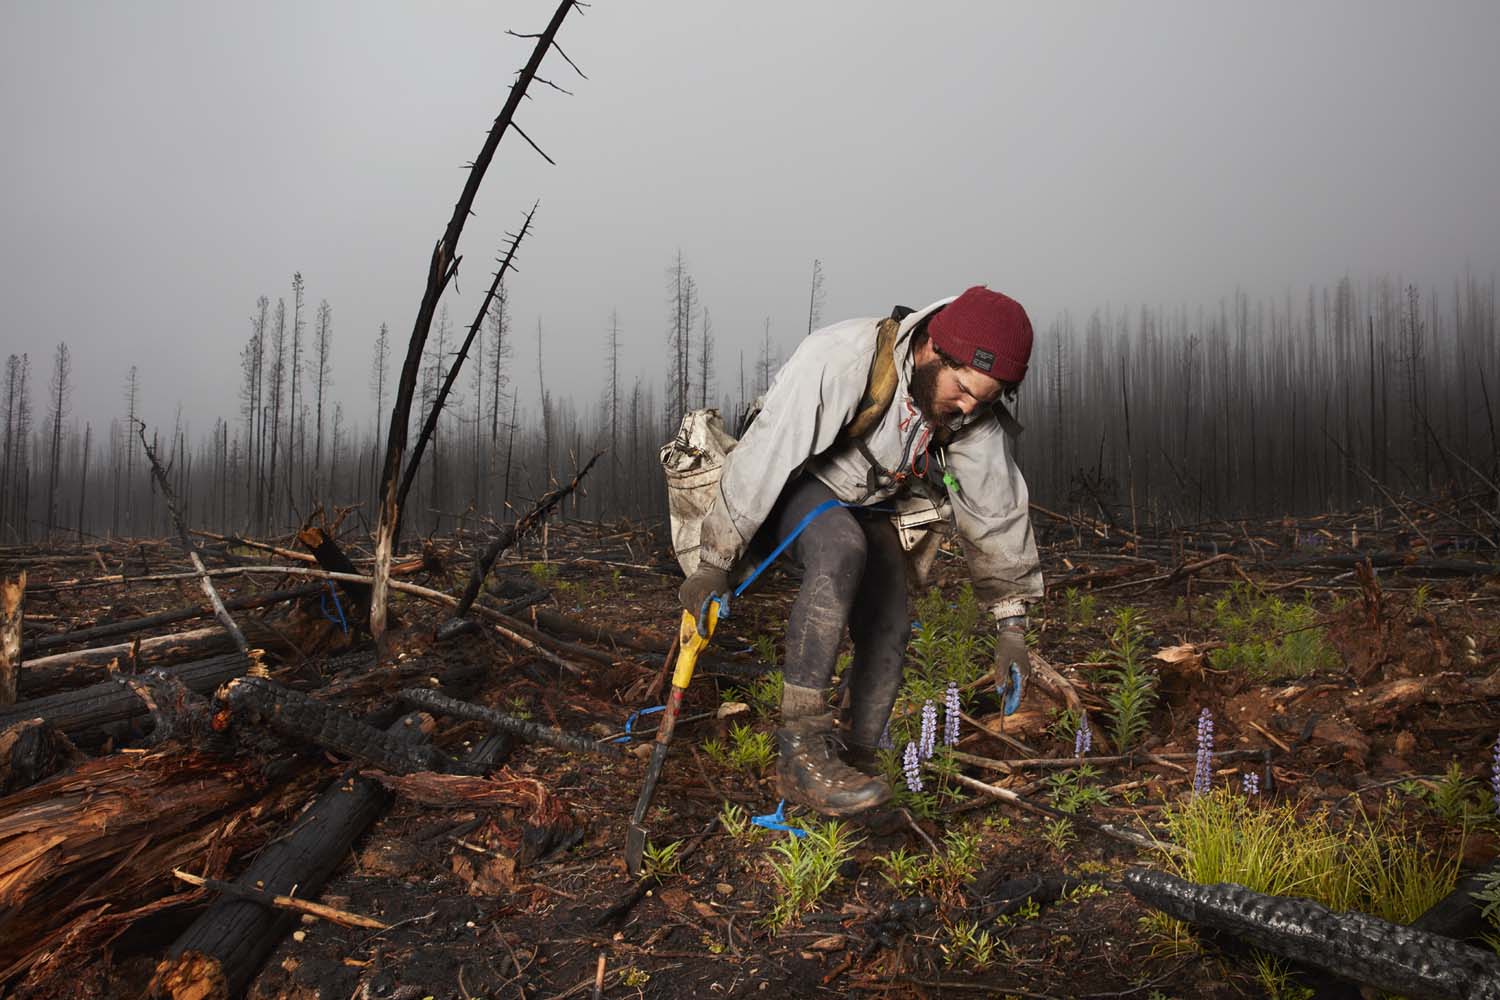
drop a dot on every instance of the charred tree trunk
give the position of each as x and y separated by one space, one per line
333 559
110 702
439 272
87 666
169 618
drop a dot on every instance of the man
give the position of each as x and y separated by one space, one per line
946 431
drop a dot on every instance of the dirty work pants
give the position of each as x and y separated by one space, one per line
854 574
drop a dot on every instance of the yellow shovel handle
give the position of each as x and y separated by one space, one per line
690 643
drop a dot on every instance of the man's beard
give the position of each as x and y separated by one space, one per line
923 389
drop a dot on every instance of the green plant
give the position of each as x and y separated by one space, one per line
518 707
543 573
1374 863
1268 638
663 860
1131 692
1059 834
1274 976
1420 596
736 822
763 694
805 867
970 945
765 649
903 871
750 749
1071 792
1455 798
1079 607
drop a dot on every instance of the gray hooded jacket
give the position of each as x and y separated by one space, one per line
813 397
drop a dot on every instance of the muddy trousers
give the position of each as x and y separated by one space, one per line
854 575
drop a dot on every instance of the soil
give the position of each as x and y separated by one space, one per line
474 913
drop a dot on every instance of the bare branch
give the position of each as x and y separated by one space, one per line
533 145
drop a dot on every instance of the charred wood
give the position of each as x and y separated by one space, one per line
31 750
299 718
217 956
112 629
85 666
531 732
1355 946
114 701
333 559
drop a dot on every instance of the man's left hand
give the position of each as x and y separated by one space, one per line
1011 652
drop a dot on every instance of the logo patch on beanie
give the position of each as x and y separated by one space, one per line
983 360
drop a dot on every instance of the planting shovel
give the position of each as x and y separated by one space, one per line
690 642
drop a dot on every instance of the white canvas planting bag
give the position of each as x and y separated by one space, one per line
693 462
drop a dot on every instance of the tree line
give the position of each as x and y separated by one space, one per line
1316 401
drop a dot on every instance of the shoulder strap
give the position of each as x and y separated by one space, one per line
880 383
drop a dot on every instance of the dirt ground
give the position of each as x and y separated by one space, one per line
478 911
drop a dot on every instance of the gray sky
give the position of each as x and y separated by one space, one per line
166 163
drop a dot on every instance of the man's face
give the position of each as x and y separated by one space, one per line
943 393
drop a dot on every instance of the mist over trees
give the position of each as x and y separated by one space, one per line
1323 399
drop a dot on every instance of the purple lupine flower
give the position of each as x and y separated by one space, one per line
1083 740
1251 783
950 715
1495 774
928 738
911 762
1203 774
886 743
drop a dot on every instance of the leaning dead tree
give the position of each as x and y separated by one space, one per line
440 271
220 612
429 428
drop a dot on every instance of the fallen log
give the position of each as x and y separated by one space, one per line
216 957
108 702
1354 946
112 629
302 719
132 815
531 732
84 666
1458 914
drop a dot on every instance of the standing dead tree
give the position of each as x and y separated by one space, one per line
429 427
220 612
440 271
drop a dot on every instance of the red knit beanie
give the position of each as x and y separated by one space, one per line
984 330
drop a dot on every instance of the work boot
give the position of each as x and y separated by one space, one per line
810 772
865 760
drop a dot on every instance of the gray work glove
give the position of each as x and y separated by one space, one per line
1012 664
697 590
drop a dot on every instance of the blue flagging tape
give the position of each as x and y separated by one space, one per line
323 602
777 820
634 718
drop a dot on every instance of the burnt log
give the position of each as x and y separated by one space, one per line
1353 946
133 816
88 666
299 718
216 957
109 702
531 732
1458 914
149 622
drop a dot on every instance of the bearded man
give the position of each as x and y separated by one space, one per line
944 444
